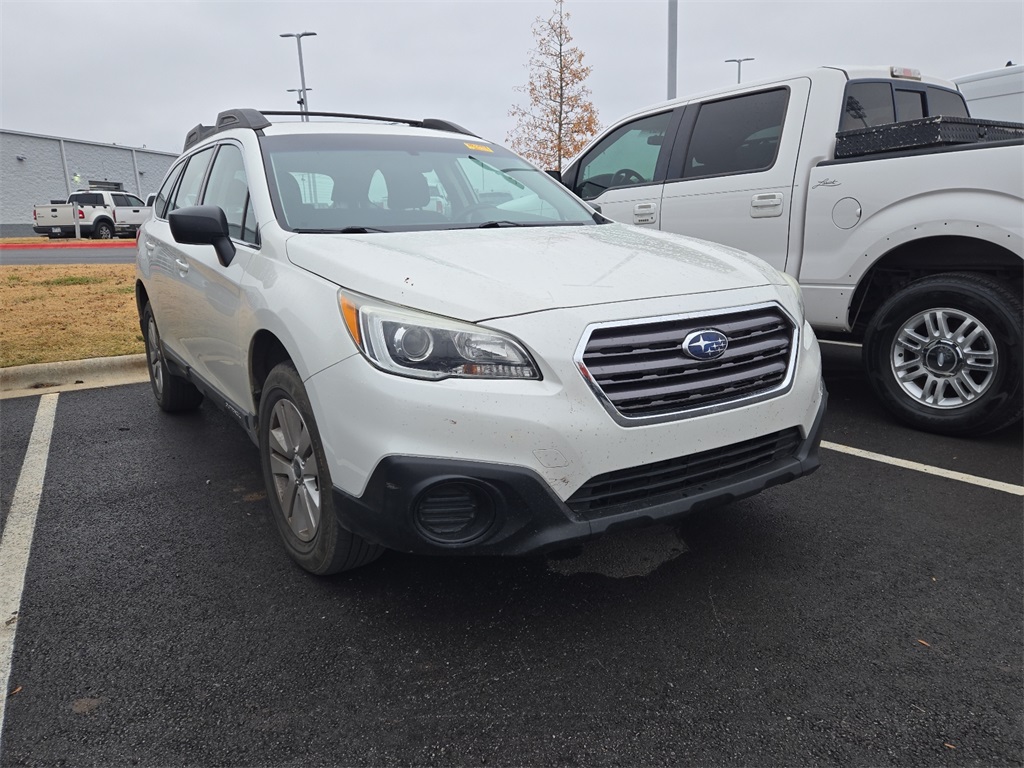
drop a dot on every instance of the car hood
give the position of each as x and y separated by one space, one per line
479 274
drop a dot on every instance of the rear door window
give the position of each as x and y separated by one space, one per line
737 135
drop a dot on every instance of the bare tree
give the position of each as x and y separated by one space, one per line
560 117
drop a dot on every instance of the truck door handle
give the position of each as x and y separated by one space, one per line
766 205
645 213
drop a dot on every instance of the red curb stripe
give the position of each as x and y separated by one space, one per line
65 244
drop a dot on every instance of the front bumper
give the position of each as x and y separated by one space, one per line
520 513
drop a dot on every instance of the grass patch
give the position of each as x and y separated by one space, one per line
86 310
73 280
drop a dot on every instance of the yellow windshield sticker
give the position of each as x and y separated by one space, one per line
478 147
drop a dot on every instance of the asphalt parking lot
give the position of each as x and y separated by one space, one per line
870 614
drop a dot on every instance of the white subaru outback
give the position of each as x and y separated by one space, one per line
440 350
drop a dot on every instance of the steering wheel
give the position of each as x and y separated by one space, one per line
625 176
466 213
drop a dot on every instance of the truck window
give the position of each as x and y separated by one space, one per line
120 199
628 155
135 202
909 105
737 135
944 102
867 104
86 198
228 187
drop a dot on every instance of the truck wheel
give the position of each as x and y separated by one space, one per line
944 354
103 230
172 393
298 481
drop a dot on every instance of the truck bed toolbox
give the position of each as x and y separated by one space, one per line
925 132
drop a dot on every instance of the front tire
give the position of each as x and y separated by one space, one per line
944 354
173 393
298 481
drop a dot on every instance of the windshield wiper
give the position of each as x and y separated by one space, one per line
501 223
344 231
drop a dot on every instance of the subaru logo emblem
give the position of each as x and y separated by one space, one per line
705 344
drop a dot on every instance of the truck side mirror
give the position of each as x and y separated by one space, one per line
203 225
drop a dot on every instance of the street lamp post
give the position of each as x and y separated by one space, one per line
302 96
302 72
739 67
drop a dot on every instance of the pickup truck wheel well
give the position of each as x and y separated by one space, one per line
929 256
266 353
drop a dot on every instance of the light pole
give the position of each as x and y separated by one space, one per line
302 97
673 36
739 67
302 72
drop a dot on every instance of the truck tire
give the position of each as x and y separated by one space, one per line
172 393
103 230
944 354
298 480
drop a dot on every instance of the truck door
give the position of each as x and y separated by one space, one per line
623 173
731 176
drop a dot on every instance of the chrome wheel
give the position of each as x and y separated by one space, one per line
156 360
294 470
944 358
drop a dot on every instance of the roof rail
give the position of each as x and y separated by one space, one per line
257 120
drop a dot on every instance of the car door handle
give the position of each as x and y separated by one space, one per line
766 205
182 266
150 245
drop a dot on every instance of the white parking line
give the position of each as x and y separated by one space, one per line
984 482
17 539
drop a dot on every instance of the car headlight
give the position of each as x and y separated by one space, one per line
424 346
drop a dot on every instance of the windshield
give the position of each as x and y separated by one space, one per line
368 183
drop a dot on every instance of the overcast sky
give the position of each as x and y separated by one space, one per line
143 72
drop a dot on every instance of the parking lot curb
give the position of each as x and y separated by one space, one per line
41 378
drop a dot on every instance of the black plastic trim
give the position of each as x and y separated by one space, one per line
528 516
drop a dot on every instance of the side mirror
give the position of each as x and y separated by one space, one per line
203 225
555 175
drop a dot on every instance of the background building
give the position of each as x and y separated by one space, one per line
36 169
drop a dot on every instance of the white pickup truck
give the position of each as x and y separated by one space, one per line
102 214
904 229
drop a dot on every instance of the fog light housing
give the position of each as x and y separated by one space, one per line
454 512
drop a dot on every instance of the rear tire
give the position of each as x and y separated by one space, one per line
944 354
103 230
299 488
173 393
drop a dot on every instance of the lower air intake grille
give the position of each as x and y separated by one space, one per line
639 487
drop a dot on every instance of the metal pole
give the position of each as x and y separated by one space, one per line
673 29
302 72
739 67
302 79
